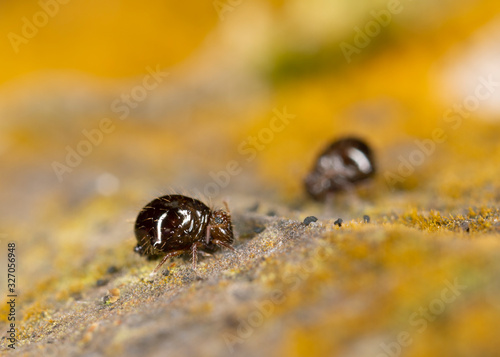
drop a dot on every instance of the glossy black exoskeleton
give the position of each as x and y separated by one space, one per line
176 224
339 167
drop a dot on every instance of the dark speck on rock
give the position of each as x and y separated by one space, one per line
259 229
271 213
101 282
339 222
254 208
366 219
309 220
465 226
112 269
166 272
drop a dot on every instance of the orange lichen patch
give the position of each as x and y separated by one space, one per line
36 311
87 336
140 25
412 306
112 297
483 219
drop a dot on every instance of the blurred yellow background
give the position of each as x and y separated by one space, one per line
385 70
